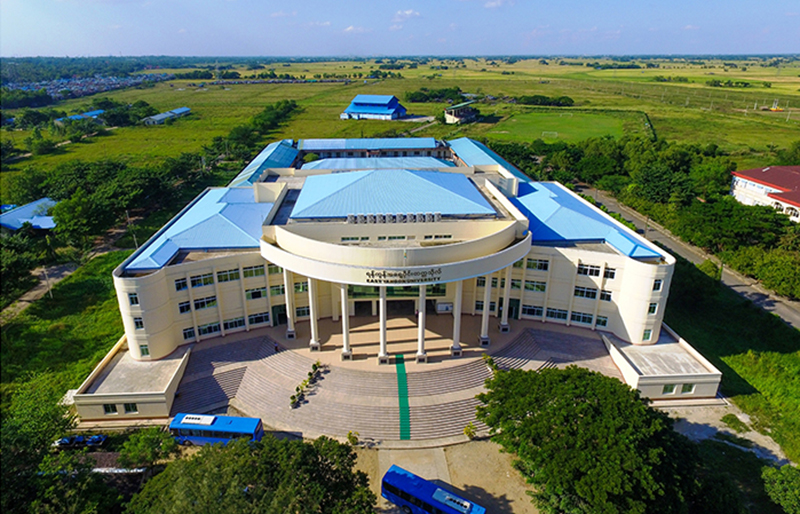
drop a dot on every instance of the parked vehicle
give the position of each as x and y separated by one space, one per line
97 441
72 441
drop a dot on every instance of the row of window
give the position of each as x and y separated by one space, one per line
207 279
111 408
229 324
591 293
671 388
357 239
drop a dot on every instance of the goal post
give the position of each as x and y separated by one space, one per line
549 135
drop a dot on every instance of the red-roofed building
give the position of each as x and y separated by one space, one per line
776 186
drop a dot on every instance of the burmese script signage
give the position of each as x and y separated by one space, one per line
404 276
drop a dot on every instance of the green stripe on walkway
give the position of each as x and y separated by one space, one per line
402 397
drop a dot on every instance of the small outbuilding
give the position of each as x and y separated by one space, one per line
460 113
159 119
34 213
374 107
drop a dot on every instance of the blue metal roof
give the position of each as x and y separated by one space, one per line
374 99
374 109
34 213
180 110
389 191
280 154
376 163
218 219
557 215
399 143
94 114
474 153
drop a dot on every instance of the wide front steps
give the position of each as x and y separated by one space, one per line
258 381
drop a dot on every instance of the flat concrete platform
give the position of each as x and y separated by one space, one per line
666 357
126 375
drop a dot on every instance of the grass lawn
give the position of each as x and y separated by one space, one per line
758 354
567 126
68 334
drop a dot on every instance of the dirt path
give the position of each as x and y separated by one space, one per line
55 273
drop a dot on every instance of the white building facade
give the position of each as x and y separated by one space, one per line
775 186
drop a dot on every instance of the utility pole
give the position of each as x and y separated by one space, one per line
47 281
136 244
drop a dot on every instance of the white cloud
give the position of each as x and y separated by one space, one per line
281 14
182 31
691 27
356 30
396 27
320 24
494 4
401 16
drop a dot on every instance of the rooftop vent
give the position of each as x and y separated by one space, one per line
370 218
410 218
420 217
429 217
437 216
351 218
361 219
198 419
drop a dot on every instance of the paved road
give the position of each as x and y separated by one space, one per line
749 288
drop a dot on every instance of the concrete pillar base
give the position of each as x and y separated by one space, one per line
455 351
347 356
383 359
505 327
484 340
291 334
422 357
314 346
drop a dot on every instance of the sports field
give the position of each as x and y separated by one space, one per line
566 126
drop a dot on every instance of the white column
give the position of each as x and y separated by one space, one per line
383 356
346 353
421 356
504 327
288 286
455 350
487 299
312 307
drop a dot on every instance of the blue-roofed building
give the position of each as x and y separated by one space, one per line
161 118
460 232
34 213
90 115
374 107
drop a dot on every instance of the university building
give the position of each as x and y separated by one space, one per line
387 227
775 186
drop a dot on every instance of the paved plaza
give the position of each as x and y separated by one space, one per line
401 404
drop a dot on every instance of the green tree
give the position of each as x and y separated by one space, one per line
783 487
144 448
587 442
270 476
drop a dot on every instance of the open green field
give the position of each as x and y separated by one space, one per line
566 126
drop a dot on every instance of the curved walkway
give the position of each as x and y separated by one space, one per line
252 377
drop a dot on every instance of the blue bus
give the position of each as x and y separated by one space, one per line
415 495
203 429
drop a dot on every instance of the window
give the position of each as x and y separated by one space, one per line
428 236
443 236
494 282
210 328
516 284
301 287
273 269
602 321
581 317
138 323
648 333
188 333
519 263
202 280
144 350
109 408
258 319
133 298
302 312
130 408
538 264
610 273
396 238
536 287
365 238
657 284
381 238
589 271
668 389
205 303
492 306
652 308
253 271
481 282
479 305
228 276
349 239
585 292
277 290
184 307
687 388
557 314
230 324
532 310
255 294
605 295
180 284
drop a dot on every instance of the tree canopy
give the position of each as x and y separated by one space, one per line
587 442
270 476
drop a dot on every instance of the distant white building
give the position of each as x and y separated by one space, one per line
159 119
776 186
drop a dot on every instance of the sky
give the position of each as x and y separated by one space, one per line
387 27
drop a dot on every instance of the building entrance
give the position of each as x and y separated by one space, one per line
279 314
363 308
400 308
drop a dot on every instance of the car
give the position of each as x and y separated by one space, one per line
72 441
97 441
